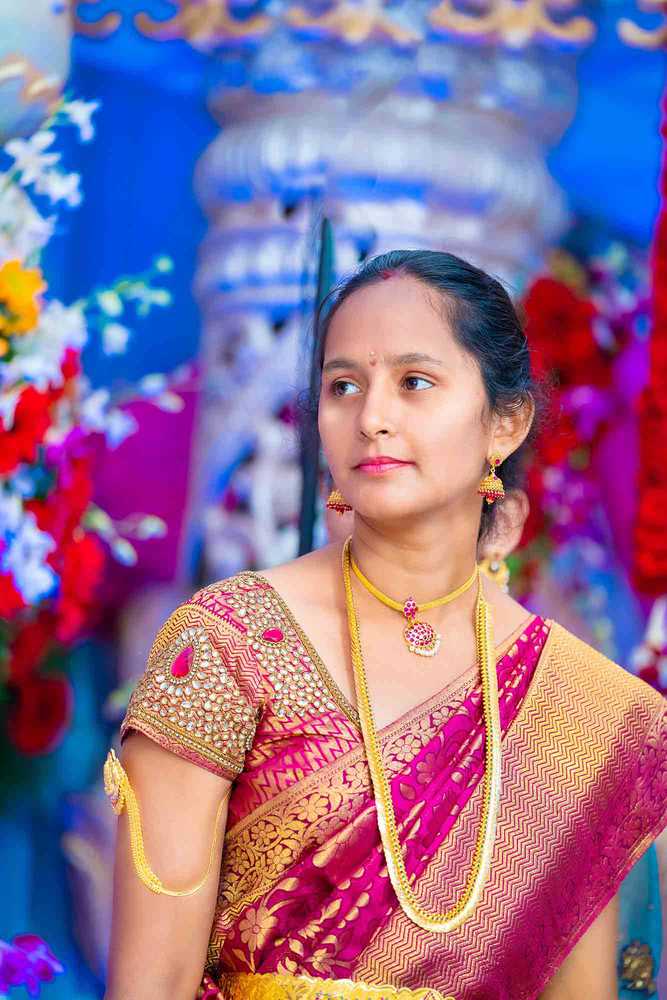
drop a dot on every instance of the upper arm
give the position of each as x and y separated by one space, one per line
159 942
188 725
589 970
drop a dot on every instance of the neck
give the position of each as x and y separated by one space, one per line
424 564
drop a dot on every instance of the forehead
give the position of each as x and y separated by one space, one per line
386 312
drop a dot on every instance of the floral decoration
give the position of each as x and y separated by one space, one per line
27 961
54 541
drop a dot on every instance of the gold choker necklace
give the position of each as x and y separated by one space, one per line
458 913
420 636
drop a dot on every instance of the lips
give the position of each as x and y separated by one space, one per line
381 460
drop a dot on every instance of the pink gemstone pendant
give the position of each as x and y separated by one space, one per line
183 662
421 638
410 608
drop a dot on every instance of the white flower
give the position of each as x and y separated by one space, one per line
120 425
29 157
80 113
110 302
147 297
8 401
164 264
11 510
23 231
25 557
38 354
114 338
60 187
124 551
94 410
153 384
114 423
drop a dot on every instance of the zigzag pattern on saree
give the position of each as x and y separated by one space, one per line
566 762
215 600
303 758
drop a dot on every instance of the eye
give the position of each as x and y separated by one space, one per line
335 386
339 384
418 378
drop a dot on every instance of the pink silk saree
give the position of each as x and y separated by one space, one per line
234 685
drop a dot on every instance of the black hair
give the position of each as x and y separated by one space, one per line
484 322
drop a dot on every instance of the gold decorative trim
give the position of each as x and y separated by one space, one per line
204 24
280 986
645 38
515 24
102 27
171 738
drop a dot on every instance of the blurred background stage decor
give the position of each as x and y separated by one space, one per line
166 167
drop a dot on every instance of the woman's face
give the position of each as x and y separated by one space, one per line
395 383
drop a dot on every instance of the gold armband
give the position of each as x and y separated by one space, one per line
117 786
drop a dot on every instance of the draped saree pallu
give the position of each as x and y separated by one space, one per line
305 906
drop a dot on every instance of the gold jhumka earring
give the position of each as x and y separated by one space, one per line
491 487
337 502
496 568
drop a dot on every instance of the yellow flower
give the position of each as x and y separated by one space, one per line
19 288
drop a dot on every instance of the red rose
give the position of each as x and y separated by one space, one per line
29 647
32 418
83 565
42 713
11 599
71 364
559 327
61 512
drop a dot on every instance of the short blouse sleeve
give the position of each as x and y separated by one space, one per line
200 695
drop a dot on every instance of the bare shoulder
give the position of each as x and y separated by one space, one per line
313 578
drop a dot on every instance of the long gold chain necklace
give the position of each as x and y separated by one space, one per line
457 914
420 636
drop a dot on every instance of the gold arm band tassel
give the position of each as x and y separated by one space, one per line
117 786
457 914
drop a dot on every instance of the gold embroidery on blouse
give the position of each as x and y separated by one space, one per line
278 644
187 696
326 680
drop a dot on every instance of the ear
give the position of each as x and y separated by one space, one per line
507 526
511 429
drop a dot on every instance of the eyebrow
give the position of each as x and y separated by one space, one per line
393 360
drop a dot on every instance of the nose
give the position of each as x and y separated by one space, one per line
375 413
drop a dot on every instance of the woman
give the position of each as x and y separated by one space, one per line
404 819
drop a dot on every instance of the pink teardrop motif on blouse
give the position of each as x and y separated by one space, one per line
272 635
181 665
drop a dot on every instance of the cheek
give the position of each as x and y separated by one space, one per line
452 433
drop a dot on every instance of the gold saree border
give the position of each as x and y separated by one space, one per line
280 986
